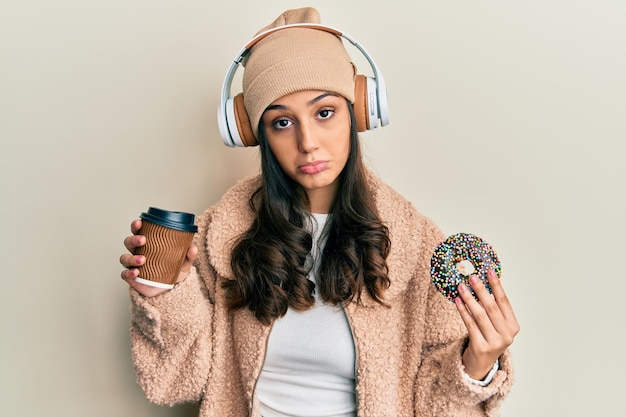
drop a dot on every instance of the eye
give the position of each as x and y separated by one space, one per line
326 113
282 124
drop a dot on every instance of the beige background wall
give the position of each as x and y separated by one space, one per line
507 120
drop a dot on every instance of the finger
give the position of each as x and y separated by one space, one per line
130 274
135 226
132 261
474 332
480 289
192 254
502 300
486 298
500 295
133 242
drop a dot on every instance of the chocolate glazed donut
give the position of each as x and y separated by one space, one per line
457 258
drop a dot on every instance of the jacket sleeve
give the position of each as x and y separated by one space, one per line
171 335
441 388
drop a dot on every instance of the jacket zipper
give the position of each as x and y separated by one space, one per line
356 359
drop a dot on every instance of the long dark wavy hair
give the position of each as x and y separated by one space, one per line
269 261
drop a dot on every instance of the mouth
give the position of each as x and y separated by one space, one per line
313 167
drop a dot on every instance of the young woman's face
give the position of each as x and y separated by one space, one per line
309 134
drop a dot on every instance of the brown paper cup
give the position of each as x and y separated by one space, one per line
165 251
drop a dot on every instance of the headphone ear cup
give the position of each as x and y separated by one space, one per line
242 120
360 103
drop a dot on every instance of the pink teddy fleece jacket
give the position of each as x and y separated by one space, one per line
187 346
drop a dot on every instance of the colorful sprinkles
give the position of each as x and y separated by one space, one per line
450 263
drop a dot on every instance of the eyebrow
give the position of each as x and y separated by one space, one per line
309 103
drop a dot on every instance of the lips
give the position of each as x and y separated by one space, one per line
313 167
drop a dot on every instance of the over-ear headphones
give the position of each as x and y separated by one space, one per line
370 103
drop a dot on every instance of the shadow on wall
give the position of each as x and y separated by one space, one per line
183 410
187 410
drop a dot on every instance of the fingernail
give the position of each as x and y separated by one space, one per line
473 280
462 288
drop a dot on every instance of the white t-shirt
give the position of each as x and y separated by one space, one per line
309 368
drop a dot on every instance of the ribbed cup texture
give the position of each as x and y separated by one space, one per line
165 251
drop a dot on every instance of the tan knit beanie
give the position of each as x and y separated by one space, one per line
295 59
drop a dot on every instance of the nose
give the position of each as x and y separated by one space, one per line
307 138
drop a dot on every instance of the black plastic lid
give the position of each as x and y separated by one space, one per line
173 219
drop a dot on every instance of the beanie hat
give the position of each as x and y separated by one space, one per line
292 60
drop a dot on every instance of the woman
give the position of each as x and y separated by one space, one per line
307 289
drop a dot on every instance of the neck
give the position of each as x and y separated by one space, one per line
321 201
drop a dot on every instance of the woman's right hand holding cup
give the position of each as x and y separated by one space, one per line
132 262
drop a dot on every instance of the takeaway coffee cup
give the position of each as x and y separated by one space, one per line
168 237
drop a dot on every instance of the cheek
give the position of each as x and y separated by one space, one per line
345 152
282 153
342 149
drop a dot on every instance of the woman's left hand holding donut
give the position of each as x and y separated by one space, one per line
490 322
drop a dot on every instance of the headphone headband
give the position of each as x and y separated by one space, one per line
268 32
226 121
